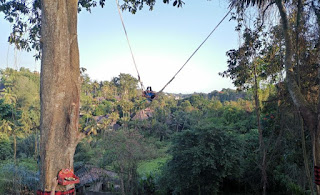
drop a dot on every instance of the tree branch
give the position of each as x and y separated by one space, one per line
298 99
264 12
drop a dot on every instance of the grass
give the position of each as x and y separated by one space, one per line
29 163
151 166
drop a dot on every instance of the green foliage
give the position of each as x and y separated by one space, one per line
29 164
147 184
27 91
237 118
122 147
243 63
201 158
123 151
250 176
220 149
17 179
5 110
99 111
126 85
86 154
6 151
229 95
21 99
24 23
215 147
26 146
186 106
151 166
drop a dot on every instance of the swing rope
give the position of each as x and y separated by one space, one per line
125 31
196 50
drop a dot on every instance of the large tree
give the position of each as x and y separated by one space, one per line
59 89
309 110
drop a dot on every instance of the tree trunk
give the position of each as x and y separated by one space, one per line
15 178
309 116
303 142
36 145
316 149
59 89
15 149
305 156
122 180
261 142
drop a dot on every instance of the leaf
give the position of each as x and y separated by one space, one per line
175 3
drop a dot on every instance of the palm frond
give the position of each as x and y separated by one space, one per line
246 3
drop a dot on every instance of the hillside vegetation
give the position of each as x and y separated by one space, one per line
199 144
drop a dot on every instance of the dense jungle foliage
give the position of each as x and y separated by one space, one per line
198 144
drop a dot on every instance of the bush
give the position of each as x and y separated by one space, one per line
201 158
147 184
6 150
26 147
15 179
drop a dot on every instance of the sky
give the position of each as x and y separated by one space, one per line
162 40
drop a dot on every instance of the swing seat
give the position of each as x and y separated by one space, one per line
149 95
66 177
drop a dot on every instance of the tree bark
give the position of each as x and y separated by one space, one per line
59 89
303 142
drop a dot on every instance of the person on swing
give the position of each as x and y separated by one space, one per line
149 94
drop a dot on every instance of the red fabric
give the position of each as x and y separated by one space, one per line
65 173
317 175
68 192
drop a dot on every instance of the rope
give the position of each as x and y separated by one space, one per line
196 50
125 31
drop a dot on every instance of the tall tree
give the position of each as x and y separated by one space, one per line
309 112
244 67
60 88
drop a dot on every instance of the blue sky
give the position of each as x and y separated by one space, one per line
162 40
